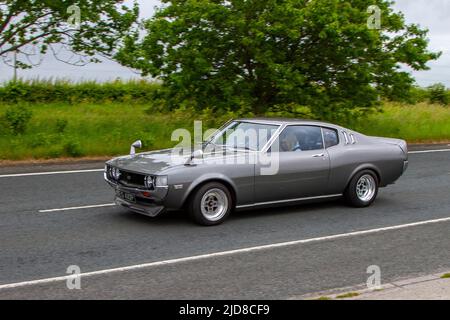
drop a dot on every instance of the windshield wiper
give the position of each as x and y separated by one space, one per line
241 147
228 146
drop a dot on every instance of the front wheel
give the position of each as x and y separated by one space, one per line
362 189
211 204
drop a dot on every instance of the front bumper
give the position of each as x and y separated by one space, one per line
151 206
150 211
405 165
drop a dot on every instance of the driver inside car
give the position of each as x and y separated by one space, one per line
289 142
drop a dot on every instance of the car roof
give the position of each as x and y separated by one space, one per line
281 121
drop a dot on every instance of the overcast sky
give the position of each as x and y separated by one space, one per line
432 14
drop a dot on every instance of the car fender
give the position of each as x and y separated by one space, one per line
206 178
366 166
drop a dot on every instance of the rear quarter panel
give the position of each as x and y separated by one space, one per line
346 160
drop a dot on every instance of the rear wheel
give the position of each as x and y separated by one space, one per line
211 204
362 189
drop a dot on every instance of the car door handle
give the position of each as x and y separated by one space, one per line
320 155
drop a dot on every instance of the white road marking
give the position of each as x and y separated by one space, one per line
79 208
48 173
429 151
220 254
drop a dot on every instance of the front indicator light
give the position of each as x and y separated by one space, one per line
161 181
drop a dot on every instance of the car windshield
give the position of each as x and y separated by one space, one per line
244 135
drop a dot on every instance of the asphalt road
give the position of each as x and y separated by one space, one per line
36 244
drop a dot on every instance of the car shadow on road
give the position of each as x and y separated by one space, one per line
311 207
166 219
181 217
337 206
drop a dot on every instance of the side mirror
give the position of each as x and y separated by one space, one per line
134 146
197 154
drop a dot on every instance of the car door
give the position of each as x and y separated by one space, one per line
303 166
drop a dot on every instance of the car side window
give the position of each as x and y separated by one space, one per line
300 138
330 137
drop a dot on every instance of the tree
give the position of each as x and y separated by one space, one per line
264 53
84 27
438 93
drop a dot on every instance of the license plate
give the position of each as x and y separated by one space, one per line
126 196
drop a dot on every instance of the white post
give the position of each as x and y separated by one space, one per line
15 66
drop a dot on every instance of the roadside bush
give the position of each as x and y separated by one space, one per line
53 153
17 119
73 148
50 91
61 125
41 140
147 141
438 94
417 95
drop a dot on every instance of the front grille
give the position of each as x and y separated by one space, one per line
131 179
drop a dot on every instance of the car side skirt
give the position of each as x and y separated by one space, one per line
287 201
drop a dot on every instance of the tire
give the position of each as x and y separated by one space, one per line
211 204
362 189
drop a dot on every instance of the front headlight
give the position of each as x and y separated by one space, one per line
149 182
115 172
161 181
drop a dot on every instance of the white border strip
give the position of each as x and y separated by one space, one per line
48 173
219 254
79 208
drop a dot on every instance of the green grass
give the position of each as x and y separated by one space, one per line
446 276
347 295
324 298
414 123
66 130
91 130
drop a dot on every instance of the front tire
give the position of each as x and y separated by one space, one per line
211 204
362 189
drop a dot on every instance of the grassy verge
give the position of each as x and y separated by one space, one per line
347 295
420 123
63 130
90 130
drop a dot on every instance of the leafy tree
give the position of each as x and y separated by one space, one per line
438 94
264 53
30 28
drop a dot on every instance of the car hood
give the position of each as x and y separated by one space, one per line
148 162
157 161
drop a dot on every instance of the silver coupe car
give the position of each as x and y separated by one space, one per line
255 163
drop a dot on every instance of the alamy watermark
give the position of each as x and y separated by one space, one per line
74 280
374 21
75 16
374 280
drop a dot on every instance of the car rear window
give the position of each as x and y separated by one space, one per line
330 137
